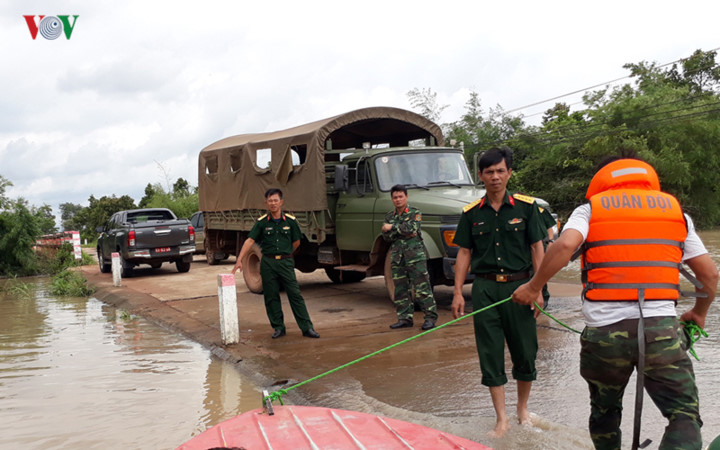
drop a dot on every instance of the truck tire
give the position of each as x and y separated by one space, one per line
182 266
104 267
156 265
210 255
251 269
344 276
389 283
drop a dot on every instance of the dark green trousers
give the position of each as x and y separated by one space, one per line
509 322
608 357
281 273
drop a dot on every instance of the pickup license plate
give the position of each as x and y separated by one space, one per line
162 249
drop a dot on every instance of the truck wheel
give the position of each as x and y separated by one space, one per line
344 276
389 283
251 270
104 267
182 266
210 256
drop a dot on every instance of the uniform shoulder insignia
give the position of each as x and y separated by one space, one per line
290 216
524 198
470 206
262 217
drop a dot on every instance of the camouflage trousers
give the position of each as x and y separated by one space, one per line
409 277
608 357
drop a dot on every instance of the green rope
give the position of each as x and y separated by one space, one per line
693 330
555 319
694 333
277 395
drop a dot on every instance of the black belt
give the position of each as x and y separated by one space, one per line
504 277
278 256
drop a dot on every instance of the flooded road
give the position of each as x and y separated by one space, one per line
75 373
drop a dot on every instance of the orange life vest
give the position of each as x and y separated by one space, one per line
636 236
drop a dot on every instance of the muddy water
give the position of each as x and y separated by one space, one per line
79 374
75 373
448 395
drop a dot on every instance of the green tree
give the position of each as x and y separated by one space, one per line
150 191
19 230
45 219
425 102
478 131
181 201
69 214
4 183
669 117
181 188
98 213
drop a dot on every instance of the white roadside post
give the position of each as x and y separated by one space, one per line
229 327
77 250
116 269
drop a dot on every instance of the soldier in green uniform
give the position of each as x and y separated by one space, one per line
549 222
279 235
408 261
500 237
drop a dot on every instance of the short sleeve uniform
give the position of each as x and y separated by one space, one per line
500 240
275 237
500 243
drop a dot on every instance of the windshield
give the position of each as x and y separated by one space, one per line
422 169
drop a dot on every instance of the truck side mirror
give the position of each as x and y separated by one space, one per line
100 229
341 177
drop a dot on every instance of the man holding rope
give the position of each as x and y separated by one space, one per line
634 238
500 237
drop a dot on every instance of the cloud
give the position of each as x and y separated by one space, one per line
147 84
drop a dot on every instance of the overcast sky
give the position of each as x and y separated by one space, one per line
142 86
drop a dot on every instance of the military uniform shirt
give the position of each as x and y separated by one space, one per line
276 237
405 236
500 240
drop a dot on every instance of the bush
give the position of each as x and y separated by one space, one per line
70 284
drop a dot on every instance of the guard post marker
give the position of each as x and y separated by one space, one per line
227 297
117 277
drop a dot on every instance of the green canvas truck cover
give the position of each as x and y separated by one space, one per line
229 177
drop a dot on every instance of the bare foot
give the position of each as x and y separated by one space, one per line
501 427
525 419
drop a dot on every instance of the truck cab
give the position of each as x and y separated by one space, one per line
439 184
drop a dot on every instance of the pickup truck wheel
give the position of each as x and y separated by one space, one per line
251 269
389 283
104 267
126 268
344 276
182 266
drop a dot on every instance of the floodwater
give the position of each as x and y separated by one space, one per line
449 396
76 373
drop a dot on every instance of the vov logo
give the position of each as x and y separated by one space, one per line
50 27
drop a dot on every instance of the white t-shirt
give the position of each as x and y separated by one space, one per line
600 314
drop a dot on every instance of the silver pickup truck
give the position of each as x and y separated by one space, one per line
146 236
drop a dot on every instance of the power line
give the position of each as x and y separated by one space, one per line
595 86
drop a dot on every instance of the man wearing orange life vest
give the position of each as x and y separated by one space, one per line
634 238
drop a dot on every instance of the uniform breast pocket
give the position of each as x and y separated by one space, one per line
515 225
482 236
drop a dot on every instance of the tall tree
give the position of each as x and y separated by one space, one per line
425 102
68 215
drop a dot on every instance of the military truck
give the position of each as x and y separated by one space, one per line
336 176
